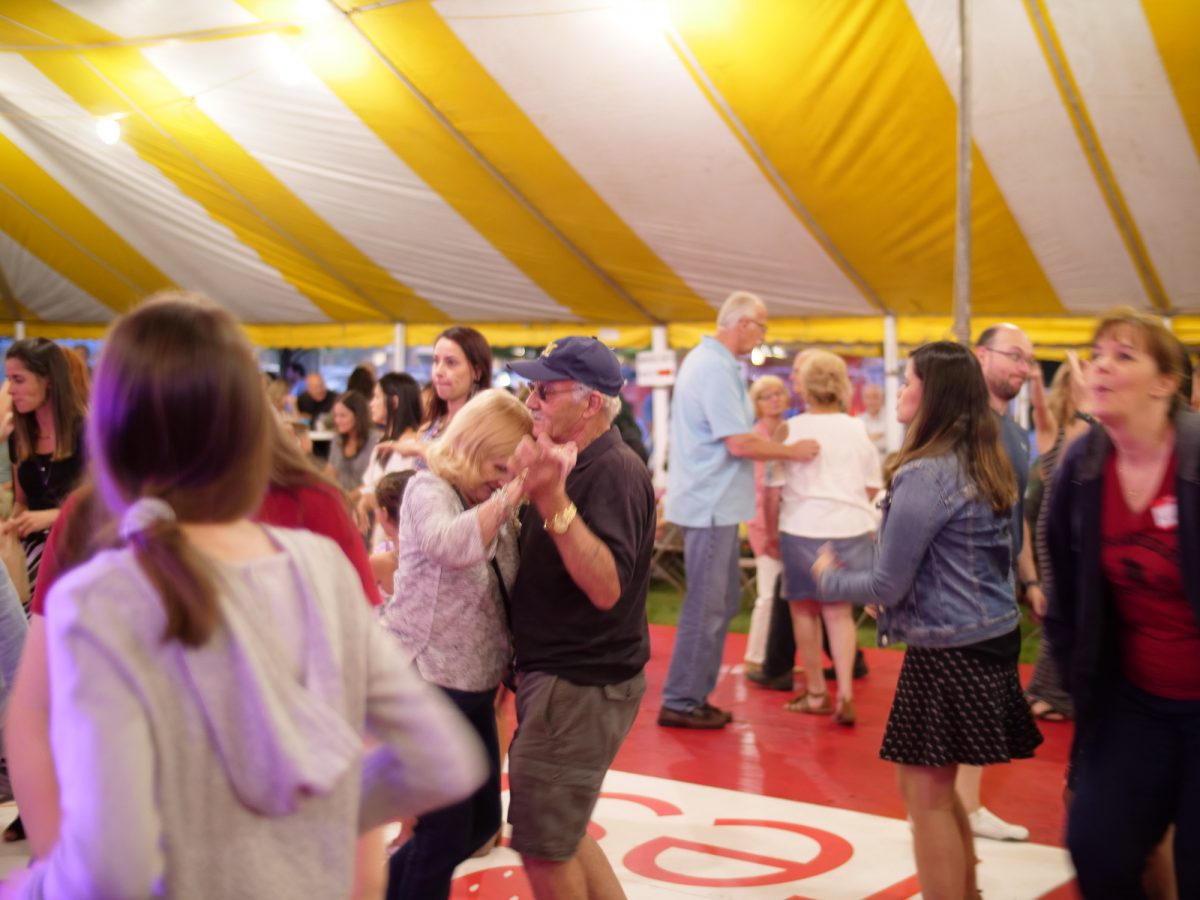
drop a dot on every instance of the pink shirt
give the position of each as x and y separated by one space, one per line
757 527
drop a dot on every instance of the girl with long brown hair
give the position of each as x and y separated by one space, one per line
210 662
942 582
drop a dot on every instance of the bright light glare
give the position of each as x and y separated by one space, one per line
379 359
335 51
646 15
313 10
757 356
287 64
108 130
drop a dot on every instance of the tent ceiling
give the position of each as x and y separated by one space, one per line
327 169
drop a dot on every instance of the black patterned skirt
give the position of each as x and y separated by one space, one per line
958 706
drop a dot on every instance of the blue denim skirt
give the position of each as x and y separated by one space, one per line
799 554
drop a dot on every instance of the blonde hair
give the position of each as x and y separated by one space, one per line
277 392
1058 397
761 385
489 425
825 378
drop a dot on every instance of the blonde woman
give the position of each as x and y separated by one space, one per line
770 398
826 500
457 560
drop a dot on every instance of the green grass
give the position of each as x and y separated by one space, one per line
663 603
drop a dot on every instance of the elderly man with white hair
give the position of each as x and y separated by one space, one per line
710 490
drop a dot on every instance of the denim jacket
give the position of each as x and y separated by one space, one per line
942 575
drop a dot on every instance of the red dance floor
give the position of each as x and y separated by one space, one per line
768 752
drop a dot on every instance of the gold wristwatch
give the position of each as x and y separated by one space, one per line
561 520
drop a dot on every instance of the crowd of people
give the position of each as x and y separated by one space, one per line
215 664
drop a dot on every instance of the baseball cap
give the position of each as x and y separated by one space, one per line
575 358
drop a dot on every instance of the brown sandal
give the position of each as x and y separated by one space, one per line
802 703
845 714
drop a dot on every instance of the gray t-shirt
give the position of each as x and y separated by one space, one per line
1016 446
348 471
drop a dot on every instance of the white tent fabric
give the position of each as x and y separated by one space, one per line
327 169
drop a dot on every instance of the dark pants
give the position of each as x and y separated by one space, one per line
781 640
1138 770
423 867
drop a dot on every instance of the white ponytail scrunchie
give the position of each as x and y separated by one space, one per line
144 513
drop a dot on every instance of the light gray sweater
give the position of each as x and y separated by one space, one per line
235 770
447 609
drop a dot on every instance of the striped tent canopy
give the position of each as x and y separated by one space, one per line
328 168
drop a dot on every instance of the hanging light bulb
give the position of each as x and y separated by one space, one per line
108 129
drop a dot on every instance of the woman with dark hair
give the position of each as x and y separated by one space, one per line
175 688
46 446
1123 530
942 583
396 408
362 382
462 367
354 442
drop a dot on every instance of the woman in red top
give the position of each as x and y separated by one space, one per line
1124 619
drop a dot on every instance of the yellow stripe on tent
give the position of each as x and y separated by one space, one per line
373 92
420 43
848 104
1175 25
170 132
63 255
1089 141
79 226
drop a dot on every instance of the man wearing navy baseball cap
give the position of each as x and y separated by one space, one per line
578 613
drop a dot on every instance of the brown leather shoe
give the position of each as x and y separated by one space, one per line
724 712
699 717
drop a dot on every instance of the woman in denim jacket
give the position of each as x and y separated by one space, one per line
942 582
1124 617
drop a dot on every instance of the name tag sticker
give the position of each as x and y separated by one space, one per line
1165 512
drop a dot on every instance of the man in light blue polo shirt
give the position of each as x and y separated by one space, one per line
710 490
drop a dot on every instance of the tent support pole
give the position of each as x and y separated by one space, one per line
962 229
660 404
10 305
399 341
891 383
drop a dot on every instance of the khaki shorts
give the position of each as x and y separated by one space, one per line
567 736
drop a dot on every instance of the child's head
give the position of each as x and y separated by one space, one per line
389 494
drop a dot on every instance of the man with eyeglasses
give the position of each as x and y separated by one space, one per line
1005 354
577 613
710 491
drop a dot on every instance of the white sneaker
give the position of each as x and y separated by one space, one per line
986 824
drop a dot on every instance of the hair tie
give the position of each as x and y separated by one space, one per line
143 514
